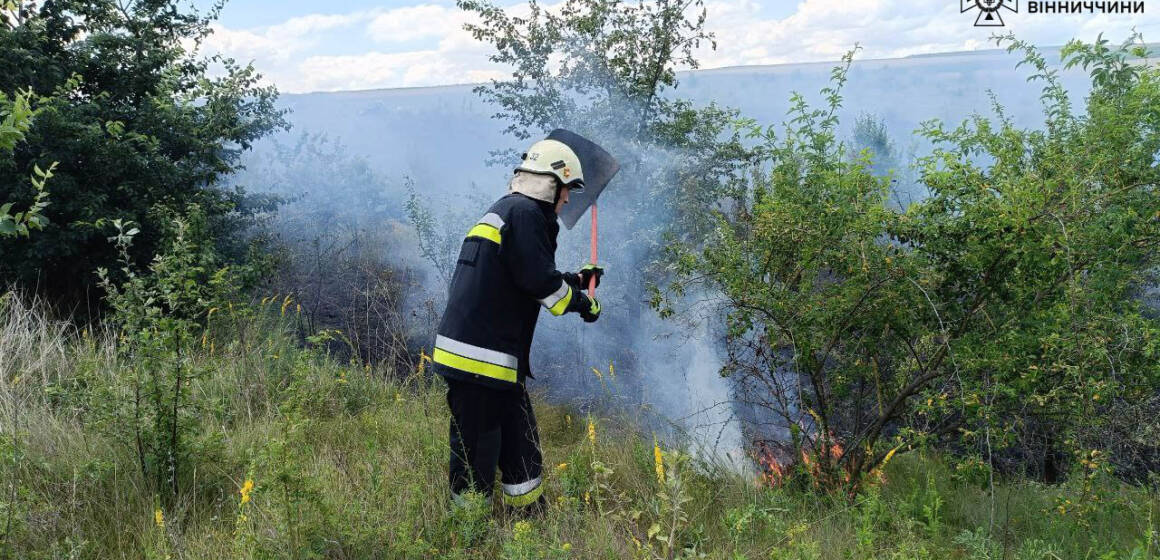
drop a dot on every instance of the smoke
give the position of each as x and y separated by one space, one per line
435 142
710 420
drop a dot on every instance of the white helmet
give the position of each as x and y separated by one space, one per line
555 158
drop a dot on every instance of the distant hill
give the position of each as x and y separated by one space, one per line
437 135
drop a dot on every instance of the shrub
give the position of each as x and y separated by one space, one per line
999 312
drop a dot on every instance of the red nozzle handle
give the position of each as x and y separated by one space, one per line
592 280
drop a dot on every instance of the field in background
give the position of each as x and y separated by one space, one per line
299 456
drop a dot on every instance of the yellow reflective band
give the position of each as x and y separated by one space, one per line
524 499
477 367
562 305
486 231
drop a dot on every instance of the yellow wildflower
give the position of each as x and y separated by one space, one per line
285 304
247 487
568 421
562 466
599 375
521 529
204 336
424 359
797 529
567 547
611 372
591 432
159 518
889 455
658 461
298 309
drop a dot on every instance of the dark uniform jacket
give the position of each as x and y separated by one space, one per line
506 271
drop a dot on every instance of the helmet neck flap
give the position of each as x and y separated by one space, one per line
534 185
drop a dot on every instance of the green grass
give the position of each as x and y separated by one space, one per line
348 463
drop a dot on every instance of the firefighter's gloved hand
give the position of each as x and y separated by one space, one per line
592 312
588 272
573 280
588 308
579 280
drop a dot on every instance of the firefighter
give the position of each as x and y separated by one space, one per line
505 273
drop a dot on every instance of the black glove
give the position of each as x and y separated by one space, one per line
587 307
573 279
588 272
592 312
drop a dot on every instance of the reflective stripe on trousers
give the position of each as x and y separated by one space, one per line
524 493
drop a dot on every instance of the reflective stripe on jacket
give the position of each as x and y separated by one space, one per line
506 271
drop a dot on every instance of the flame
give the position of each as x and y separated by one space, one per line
775 472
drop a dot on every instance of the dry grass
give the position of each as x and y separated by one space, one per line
349 462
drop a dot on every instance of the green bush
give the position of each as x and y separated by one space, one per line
998 316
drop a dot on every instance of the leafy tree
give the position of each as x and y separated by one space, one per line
615 61
870 134
15 117
1003 304
138 123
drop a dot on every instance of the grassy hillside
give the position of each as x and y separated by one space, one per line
297 456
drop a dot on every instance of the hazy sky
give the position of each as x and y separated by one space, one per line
362 44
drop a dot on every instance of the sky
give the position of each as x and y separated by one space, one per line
305 46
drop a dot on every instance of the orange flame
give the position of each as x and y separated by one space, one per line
774 472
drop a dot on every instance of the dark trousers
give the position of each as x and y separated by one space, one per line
493 428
